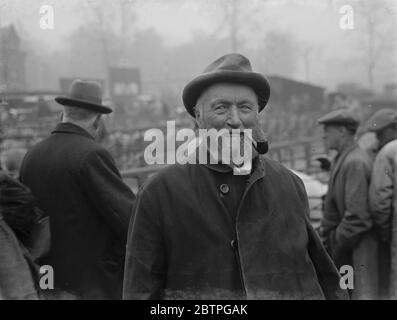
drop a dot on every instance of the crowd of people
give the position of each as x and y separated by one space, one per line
359 206
198 230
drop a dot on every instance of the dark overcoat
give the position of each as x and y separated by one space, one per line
347 221
383 202
184 242
75 182
17 278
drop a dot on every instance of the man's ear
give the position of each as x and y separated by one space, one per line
342 131
197 115
97 121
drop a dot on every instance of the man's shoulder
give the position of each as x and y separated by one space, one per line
61 141
171 179
181 174
389 148
171 172
93 156
358 156
66 149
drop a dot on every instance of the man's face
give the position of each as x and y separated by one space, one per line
332 136
229 106
226 105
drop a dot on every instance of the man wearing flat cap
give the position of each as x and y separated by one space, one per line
383 196
347 223
76 183
202 232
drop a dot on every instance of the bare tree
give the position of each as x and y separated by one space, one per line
375 17
112 37
236 18
278 53
308 51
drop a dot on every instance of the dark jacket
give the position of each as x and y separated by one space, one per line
18 278
75 182
383 202
17 206
18 272
184 242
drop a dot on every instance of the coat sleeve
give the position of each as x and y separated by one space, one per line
145 262
357 218
381 195
326 271
327 274
102 184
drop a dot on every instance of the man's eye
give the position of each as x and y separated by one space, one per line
220 107
246 107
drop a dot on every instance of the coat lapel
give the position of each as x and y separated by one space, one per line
258 173
340 160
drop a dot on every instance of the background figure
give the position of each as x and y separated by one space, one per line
11 161
382 195
76 183
347 224
18 274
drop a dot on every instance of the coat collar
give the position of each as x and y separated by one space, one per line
340 158
257 172
67 127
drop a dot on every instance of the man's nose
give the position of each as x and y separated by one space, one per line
233 120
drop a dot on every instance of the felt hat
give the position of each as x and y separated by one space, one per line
232 68
86 95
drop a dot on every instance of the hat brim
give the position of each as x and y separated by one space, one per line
354 125
371 128
195 87
83 104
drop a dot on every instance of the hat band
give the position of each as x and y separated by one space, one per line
87 98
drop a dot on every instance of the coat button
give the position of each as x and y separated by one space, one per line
224 188
233 244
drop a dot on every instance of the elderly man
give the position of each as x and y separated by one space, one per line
201 232
383 195
75 182
347 223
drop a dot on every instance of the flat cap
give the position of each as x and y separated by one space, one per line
381 119
341 117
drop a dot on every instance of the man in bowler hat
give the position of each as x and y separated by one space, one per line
202 232
347 223
76 183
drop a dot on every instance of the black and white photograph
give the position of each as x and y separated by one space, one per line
214 151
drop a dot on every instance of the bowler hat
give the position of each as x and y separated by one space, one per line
342 117
381 119
86 95
234 68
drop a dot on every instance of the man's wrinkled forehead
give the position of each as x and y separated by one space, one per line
229 92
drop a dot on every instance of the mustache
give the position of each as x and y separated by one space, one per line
258 138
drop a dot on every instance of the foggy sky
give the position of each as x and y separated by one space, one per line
313 22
